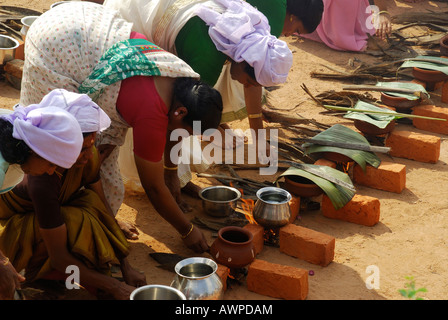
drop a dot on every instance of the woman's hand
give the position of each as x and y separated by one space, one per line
9 279
122 291
384 25
196 241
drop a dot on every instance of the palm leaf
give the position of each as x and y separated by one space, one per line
379 120
338 195
418 88
427 62
340 133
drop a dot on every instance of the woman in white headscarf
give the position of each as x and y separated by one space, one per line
58 216
232 45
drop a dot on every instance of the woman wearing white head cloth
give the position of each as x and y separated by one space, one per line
61 223
231 45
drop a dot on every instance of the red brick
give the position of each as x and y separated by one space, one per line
258 233
414 146
445 92
388 176
223 272
294 206
306 244
20 50
363 210
277 281
437 126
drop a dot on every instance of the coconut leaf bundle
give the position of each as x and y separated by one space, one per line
343 134
338 194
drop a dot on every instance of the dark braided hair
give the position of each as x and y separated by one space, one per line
203 102
13 150
308 11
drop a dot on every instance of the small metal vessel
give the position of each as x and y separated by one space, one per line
157 292
272 207
196 278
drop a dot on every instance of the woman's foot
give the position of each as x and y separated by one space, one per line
129 230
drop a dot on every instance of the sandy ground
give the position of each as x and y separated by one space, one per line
409 240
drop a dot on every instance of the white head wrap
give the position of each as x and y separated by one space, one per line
243 33
90 116
10 174
51 132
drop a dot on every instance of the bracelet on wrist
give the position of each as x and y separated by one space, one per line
170 168
255 115
188 233
6 261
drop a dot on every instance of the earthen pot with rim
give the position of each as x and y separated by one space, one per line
431 77
372 130
233 247
400 104
302 187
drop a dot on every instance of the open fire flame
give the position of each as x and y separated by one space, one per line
270 235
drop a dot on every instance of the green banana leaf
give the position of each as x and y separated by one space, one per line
403 85
338 195
430 63
379 120
340 133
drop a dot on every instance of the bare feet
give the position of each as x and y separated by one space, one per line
129 230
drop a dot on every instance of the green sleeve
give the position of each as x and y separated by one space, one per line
194 46
275 11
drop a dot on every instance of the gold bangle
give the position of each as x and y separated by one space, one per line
6 261
384 11
191 229
255 115
169 168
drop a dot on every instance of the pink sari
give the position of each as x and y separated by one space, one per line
345 25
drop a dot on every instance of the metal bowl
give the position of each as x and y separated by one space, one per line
8 48
219 201
157 292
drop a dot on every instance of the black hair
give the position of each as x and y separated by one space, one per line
308 11
250 71
203 102
13 150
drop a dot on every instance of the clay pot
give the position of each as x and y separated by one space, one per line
444 45
336 157
431 77
372 130
302 187
401 104
234 247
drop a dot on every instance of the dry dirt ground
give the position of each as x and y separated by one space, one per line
409 240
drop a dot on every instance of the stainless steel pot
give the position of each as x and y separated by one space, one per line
8 48
272 207
157 292
219 201
196 278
